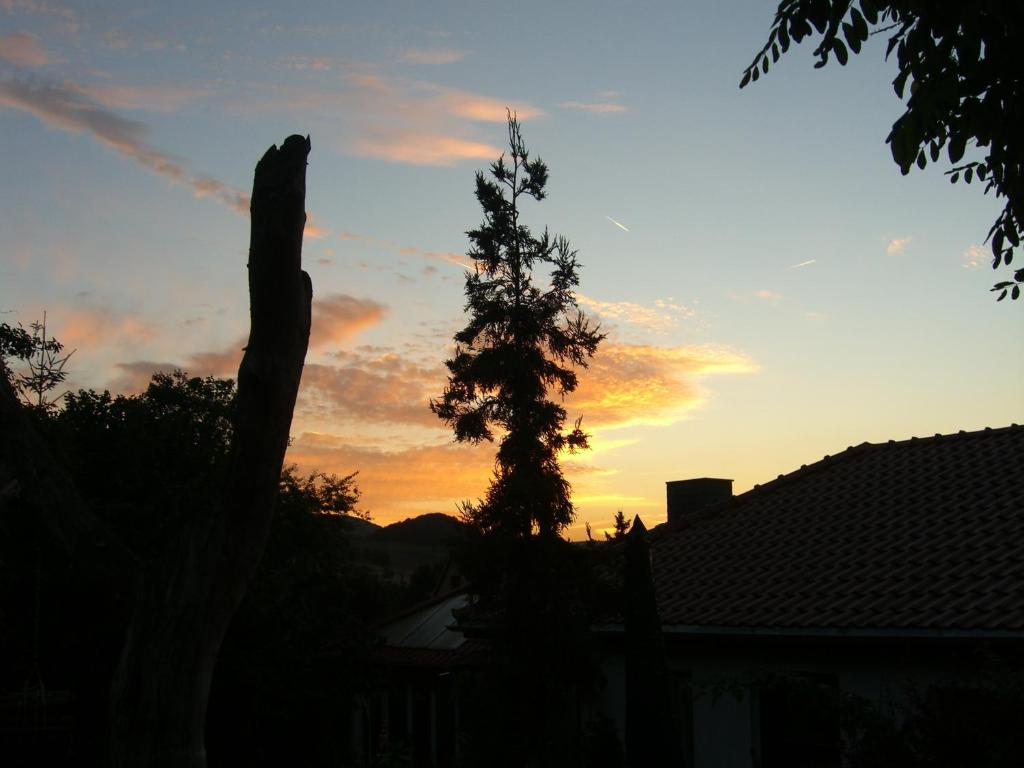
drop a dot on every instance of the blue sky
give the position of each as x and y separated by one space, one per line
130 133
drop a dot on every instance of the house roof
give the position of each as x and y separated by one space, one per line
920 534
425 637
428 626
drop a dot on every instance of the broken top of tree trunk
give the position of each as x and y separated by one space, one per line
186 597
276 278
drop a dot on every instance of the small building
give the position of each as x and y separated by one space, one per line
855 578
886 565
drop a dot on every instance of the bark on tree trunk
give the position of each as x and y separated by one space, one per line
185 599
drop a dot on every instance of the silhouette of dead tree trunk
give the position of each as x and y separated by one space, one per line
185 598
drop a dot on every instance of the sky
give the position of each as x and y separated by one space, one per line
772 288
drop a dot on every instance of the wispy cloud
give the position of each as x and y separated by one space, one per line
68 108
422 148
661 316
768 295
336 319
897 245
313 63
446 257
134 376
151 98
23 50
371 387
802 264
397 119
312 230
975 256
95 327
631 384
433 56
597 107
38 8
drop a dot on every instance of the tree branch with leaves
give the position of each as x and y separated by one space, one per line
966 90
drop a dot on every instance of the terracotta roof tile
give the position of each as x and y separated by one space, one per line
922 533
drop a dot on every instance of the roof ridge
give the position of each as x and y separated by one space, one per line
425 603
829 460
826 462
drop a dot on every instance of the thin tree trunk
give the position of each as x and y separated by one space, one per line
185 599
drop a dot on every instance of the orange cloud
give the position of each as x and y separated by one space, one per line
897 245
94 328
223 363
767 295
398 119
235 199
473 106
379 388
23 49
422 148
338 317
371 390
66 107
153 98
134 376
433 55
313 231
631 384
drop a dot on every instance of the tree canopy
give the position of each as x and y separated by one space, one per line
960 73
521 344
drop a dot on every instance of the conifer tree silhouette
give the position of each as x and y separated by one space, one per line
519 347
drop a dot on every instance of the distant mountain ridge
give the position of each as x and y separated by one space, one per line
433 528
359 528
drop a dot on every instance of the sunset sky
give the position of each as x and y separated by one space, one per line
773 289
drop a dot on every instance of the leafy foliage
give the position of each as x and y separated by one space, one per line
14 342
144 463
961 61
42 355
147 461
520 344
946 725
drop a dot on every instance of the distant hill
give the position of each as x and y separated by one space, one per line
359 528
433 529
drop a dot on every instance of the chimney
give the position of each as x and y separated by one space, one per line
688 497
